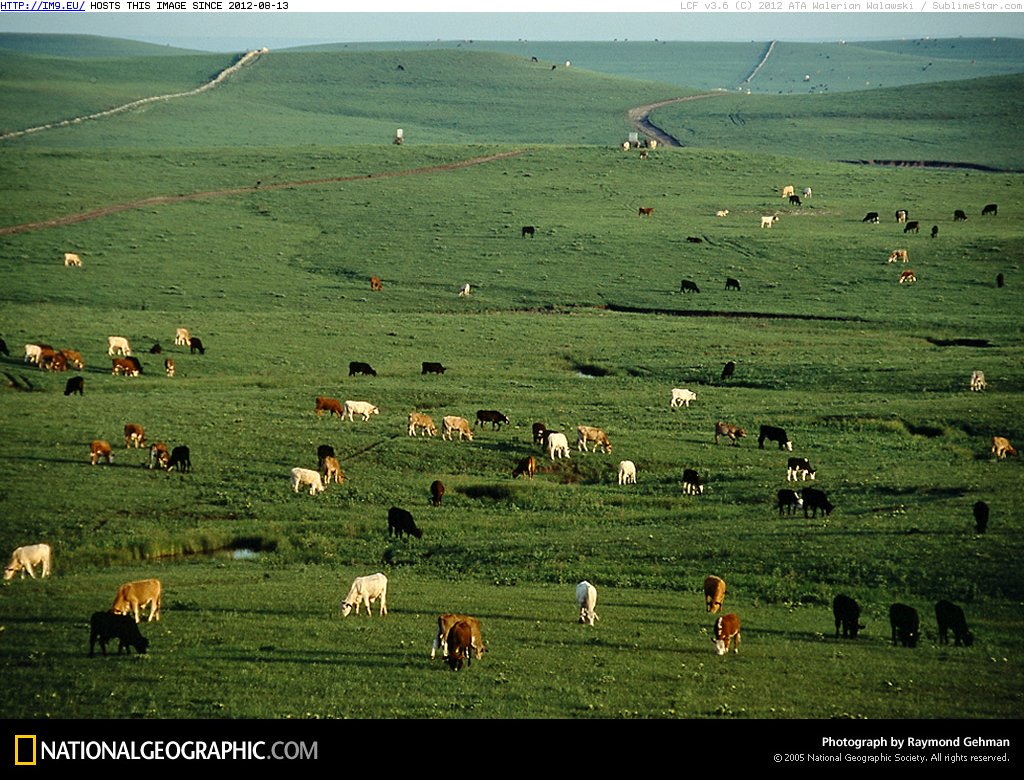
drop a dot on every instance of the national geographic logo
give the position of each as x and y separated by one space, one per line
24 749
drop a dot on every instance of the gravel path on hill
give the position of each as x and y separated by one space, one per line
639 117
169 199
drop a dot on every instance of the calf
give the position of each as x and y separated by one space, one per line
558 445
935 230
872 217
727 628
734 432
905 623
991 209
364 408
452 424
585 433
846 612
799 467
950 617
908 276
688 286
526 467
728 370
433 368
421 422
195 344
980 516
100 448
181 460
789 501
436 492
732 284
682 397
104 626
814 500
355 367
714 593
75 384
691 483
777 435
899 255
400 522
767 222
912 227
495 418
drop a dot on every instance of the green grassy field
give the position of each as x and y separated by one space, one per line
868 377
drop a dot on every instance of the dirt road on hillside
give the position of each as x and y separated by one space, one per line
168 199
639 117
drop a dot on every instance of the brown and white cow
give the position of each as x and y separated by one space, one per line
727 628
645 211
899 255
125 367
444 626
159 456
908 276
73 358
134 436
99 448
376 285
169 367
460 645
714 593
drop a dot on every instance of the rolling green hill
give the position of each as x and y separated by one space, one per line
84 46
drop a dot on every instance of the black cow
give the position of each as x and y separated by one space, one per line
355 367
1000 280
105 626
906 625
156 349
789 502
433 368
491 416
980 516
691 482
950 617
814 500
529 230
732 284
195 344
846 611
912 226
694 240
135 362
991 208
935 230
436 492
180 459
75 384
959 216
872 217
799 467
3 348
778 435
687 286
400 522
728 370
324 451
794 200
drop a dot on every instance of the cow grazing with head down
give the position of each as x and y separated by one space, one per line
134 436
692 485
356 367
959 216
626 474
364 408
908 276
912 227
433 368
714 593
376 285
906 625
125 367
182 337
872 217
495 418
421 422
118 345
558 445
401 523
978 381
526 467
789 501
586 600
645 211
195 344
794 200
159 456
169 367
682 397
726 630
460 645
181 460
539 431
73 358
301 476
814 500
799 468
990 210
722 213
777 435
332 470
75 384
901 216
788 191
899 255
100 449
436 492
950 617
687 285
452 424
734 432
366 590
105 626
25 559
728 370
585 433
980 516
71 259
846 612
445 622
529 230
1001 447
133 596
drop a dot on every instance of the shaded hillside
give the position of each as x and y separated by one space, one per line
84 46
964 121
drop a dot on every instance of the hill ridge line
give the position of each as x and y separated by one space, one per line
158 200
248 58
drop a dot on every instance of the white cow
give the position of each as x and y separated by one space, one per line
978 380
309 477
32 353
586 599
722 213
453 424
25 558
682 397
118 345
558 445
464 291
365 590
807 192
767 222
627 472
359 407
70 258
182 337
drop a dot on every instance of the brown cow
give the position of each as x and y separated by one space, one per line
1001 447
727 628
444 626
126 366
73 358
375 284
908 276
329 405
169 367
100 448
133 595
134 435
436 492
332 468
460 643
159 456
645 212
714 593
526 467
735 433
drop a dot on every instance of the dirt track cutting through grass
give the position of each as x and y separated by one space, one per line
639 117
168 199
